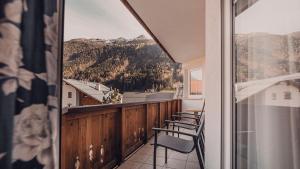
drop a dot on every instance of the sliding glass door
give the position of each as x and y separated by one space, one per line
267 84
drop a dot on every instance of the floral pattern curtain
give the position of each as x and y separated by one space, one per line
28 78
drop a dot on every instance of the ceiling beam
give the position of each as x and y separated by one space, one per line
140 20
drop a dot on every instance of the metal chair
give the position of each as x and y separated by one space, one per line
179 123
186 115
189 126
179 144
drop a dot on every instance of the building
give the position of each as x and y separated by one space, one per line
281 91
79 93
283 94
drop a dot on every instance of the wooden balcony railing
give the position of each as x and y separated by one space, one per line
102 136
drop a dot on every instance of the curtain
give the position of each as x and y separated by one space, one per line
28 84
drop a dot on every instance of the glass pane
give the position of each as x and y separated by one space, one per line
267 84
196 85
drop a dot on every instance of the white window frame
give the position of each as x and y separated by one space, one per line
218 85
228 123
213 84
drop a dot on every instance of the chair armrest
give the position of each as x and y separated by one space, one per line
173 131
185 117
179 122
190 114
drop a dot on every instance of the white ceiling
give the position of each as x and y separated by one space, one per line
177 24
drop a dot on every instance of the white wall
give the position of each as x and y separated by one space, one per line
213 85
65 100
192 104
187 67
188 101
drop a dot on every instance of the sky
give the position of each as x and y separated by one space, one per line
103 19
271 16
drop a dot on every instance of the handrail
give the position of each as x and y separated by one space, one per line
91 108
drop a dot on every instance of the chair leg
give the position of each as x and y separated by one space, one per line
178 130
201 144
154 158
154 153
199 155
173 129
166 155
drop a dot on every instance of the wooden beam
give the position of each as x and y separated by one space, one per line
140 20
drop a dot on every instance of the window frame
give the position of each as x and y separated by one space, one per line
274 96
194 96
287 95
69 95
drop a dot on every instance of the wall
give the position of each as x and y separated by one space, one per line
65 100
192 104
188 101
187 67
213 85
86 100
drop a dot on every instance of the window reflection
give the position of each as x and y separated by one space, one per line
267 88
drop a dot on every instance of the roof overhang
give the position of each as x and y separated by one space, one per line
177 26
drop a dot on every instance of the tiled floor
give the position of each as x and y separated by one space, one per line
143 158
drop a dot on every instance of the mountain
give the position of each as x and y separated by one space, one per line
263 55
126 64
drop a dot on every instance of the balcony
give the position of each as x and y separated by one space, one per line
143 158
116 134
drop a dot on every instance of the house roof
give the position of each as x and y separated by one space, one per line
89 88
177 26
244 90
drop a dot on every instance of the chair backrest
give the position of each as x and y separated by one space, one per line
200 129
203 106
201 113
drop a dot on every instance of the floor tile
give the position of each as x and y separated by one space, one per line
139 158
192 165
175 164
130 165
178 156
192 157
149 166
160 161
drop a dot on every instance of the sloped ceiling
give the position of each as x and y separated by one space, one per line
178 25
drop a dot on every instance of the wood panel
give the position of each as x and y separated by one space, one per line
87 100
98 130
133 131
179 105
163 113
174 106
119 129
74 135
152 118
169 109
